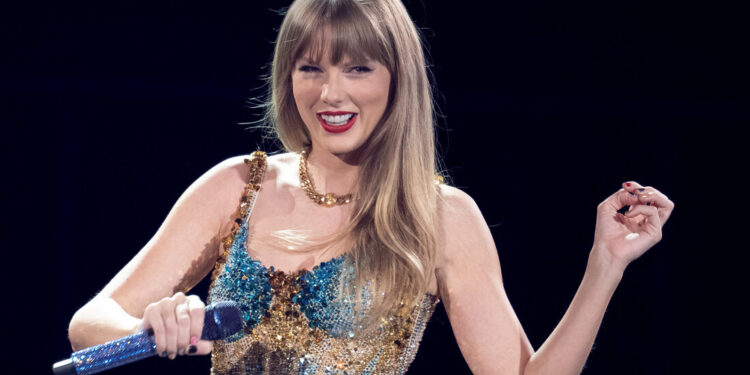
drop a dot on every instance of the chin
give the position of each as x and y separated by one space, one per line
342 148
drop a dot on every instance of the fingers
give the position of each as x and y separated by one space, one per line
648 229
170 325
651 223
650 197
152 320
203 347
617 201
177 323
183 324
197 311
647 195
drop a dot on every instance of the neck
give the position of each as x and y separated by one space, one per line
332 173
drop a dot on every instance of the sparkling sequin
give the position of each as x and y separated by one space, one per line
303 322
243 280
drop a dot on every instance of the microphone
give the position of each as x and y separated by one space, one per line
222 320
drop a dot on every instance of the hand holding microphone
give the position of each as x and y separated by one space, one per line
173 326
177 323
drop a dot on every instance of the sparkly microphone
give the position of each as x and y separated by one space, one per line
222 320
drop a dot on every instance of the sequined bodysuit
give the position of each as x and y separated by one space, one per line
303 322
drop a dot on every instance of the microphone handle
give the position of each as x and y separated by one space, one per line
222 319
109 355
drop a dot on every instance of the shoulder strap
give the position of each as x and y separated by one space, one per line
256 164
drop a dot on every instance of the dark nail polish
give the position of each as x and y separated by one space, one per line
633 194
163 354
641 189
192 349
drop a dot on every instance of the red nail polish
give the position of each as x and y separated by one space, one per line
627 184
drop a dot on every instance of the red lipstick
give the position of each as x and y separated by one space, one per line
336 128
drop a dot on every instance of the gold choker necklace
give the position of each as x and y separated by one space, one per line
326 200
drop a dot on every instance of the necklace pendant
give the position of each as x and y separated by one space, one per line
330 200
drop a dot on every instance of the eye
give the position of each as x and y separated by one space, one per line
308 69
360 69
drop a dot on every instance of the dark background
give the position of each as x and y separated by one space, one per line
109 110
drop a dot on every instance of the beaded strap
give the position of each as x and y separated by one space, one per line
257 168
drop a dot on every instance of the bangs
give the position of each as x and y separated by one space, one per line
336 30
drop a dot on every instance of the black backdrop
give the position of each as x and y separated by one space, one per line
111 109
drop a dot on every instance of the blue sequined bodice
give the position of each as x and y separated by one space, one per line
305 322
248 282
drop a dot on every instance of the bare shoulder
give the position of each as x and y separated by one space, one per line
228 177
234 171
227 171
456 209
462 229
219 189
222 181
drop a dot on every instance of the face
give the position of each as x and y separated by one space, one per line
340 104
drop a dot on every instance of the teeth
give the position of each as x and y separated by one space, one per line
338 119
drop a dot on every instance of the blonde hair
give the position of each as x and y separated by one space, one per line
392 227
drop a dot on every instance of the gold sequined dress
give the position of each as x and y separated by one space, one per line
303 322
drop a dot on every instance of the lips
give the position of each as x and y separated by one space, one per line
333 126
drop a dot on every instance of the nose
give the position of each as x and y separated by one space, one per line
332 93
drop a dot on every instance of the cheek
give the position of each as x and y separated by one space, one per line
374 96
304 93
381 90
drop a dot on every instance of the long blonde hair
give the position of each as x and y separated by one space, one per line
393 222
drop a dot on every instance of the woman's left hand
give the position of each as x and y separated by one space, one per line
621 238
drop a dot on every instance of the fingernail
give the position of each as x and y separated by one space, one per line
193 340
627 184
641 189
633 194
163 354
181 351
192 349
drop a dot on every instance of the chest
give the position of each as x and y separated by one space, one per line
289 232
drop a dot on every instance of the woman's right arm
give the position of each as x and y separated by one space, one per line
176 258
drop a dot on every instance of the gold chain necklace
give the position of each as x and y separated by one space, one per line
326 200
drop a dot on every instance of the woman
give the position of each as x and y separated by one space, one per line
338 250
